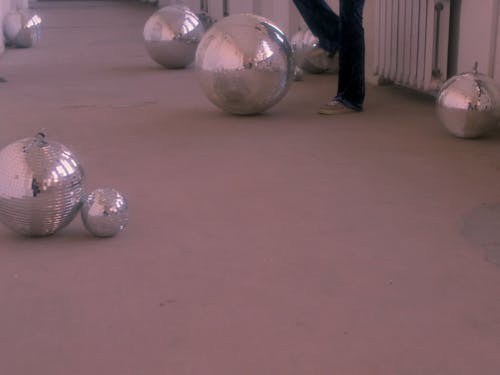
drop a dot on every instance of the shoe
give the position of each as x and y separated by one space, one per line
334 107
318 53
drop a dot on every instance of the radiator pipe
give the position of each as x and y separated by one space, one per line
204 6
494 39
225 8
435 68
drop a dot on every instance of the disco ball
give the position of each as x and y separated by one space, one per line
104 212
21 29
206 20
171 36
244 64
468 104
309 56
41 186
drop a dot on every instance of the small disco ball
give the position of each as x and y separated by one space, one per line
104 212
244 64
171 36
309 56
468 104
22 29
41 186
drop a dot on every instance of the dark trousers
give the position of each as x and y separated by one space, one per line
345 34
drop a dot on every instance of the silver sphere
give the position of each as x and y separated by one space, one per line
468 104
41 186
104 212
171 36
244 64
297 44
22 29
206 20
309 56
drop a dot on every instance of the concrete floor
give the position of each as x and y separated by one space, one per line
286 243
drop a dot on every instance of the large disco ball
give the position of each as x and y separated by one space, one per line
171 36
21 29
104 212
468 104
309 56
41 186
244 64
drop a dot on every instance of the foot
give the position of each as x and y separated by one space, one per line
318 53
334 107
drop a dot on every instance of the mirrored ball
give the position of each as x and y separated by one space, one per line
309 56
206 20
22 29
171 36
244 64
104 212
468 104
41 186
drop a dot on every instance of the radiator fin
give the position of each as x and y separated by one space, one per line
411 42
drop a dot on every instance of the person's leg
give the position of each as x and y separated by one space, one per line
322 21
351 88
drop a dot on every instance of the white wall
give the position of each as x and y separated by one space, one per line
478 37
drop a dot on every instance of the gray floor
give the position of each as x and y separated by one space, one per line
286 243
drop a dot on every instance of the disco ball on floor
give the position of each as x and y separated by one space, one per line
309 56
104 212
21 29
171 36
244 64
468 104
41 186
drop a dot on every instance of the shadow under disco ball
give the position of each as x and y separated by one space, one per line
171 36
22 29
244 64
468 104
41 186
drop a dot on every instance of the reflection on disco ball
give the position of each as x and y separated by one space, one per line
206 20
244 64
41 186
22 29
298 73
296 43
104 212
309 56
468 104
171 36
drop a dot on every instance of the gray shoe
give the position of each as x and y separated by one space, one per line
334 107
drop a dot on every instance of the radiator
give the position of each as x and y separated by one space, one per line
411 42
